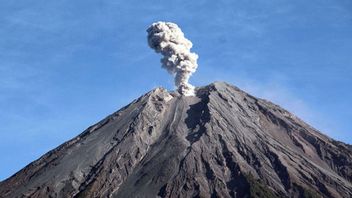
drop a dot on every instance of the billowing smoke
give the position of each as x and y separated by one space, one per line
168 39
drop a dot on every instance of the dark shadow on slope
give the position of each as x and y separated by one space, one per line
238 185
280 169
197 116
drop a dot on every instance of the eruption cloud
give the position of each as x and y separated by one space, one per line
168 39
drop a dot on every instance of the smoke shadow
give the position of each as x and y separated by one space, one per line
197 116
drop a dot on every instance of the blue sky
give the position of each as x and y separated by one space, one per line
64 65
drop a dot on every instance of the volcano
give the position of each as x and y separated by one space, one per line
222 142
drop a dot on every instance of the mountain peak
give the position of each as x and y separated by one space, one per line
222 142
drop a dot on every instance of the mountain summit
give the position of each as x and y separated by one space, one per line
222 142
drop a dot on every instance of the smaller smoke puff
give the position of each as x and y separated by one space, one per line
168 39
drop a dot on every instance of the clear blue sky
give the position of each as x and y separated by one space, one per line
64 64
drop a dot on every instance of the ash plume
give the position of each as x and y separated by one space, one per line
168 39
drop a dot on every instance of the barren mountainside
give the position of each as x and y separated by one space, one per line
222 142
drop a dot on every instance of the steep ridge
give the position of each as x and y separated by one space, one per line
222 142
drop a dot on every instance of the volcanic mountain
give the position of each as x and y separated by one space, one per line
222 142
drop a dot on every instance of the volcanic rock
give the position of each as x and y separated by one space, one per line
222 142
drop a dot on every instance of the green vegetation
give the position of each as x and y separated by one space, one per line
306 193
259 190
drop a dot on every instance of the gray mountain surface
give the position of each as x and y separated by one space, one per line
222 142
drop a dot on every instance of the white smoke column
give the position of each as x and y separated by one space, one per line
168 39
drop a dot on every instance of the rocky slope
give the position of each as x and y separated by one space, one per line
220 143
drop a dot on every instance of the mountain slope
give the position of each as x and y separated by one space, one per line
220 143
